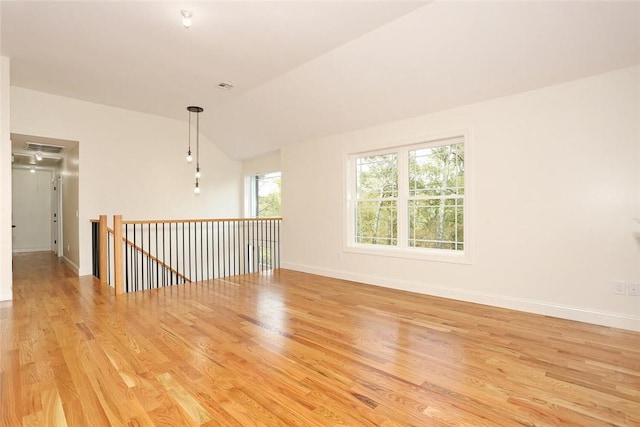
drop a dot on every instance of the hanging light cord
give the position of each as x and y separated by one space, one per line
189 152
197 141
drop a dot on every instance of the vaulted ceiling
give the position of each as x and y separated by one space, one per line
306 69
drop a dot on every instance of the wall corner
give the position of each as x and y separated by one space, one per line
6 270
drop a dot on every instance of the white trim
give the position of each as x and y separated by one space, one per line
580 314
23 250
51 169
71 265
6 295
60 245
247 196
425 254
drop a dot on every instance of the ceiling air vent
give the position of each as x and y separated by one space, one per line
225 86
44 148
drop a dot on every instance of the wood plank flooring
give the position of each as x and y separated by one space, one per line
292 349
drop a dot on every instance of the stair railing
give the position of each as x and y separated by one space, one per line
158 253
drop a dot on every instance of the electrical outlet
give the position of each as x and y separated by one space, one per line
619 287
633 289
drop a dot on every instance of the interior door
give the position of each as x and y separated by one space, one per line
31 210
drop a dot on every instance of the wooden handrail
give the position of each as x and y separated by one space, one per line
174 221
130 243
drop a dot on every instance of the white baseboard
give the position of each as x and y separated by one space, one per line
23 250
579 314
6 295
71 265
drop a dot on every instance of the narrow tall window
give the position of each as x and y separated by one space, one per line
410 198
265 192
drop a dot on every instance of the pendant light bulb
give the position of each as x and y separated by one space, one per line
189 157
196 190
198 173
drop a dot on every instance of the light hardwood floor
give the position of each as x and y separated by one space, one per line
294 349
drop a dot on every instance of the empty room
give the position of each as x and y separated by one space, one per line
320 213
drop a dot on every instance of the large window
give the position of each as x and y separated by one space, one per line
409 200
265 195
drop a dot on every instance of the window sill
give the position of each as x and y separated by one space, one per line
434 255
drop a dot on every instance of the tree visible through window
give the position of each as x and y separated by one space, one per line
266 195
436 197
377 199
411 197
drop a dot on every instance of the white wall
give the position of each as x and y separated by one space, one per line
130 163
5 182
269 162
70 205
556 183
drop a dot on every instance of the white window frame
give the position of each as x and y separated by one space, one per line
403 250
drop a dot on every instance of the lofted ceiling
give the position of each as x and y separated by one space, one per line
307 69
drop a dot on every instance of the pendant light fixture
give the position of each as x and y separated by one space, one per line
197 110
186 18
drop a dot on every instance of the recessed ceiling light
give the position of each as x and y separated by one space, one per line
186 18
225 86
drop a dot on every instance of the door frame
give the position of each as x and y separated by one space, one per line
58 181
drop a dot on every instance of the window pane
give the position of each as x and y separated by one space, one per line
420 206
377 176
268 194
376 222
437 223
436 171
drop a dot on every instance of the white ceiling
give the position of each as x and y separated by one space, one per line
306 69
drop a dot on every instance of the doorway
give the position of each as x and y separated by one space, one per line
32 209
